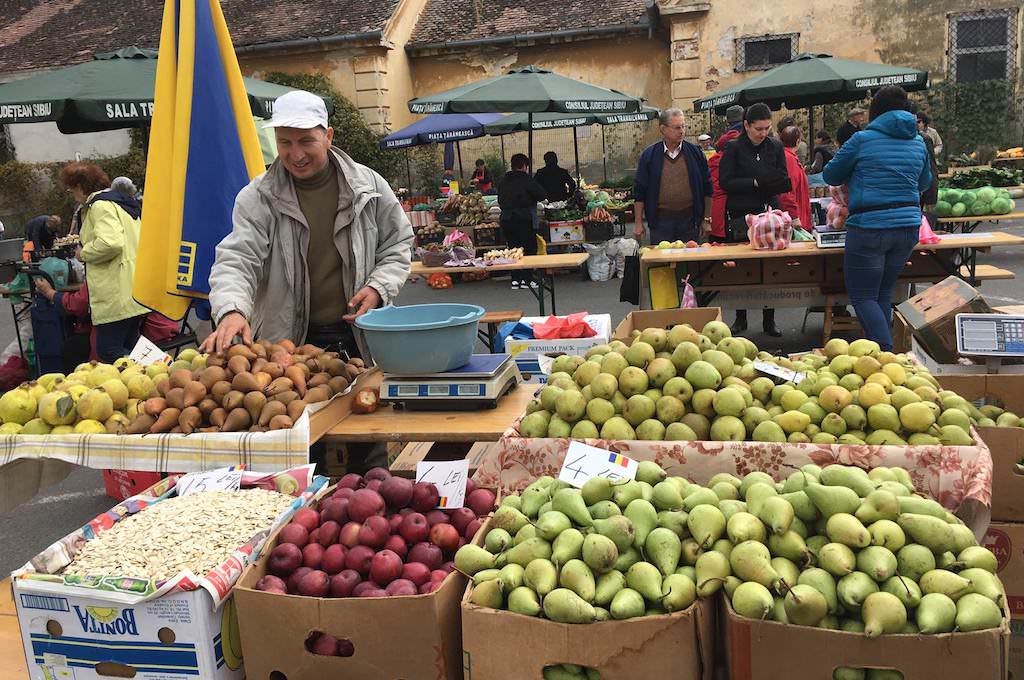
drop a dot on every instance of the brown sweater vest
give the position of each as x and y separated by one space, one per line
675 194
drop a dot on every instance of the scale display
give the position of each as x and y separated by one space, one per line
827 238
990 334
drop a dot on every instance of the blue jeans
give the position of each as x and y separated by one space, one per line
873 261
116 339
674 228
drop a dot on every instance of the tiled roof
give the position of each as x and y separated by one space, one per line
459 20
47 33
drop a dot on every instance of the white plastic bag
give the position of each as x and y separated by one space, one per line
599 266
25 329
627 246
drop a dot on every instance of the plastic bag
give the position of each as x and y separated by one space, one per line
572 326
689 300
771 230
599 266
838 209
627 246
925 233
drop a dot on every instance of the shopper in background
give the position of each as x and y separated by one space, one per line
886 168
110 242
556 181
753 174
801 148
704 142
671 185
518 194
718 196
798 201
924 125
482 177
41 231
854 123
823 152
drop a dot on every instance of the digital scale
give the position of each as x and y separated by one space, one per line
829 238
479 384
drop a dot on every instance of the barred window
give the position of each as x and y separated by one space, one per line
982 45
762 52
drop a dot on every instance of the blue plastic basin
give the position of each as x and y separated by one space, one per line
418 339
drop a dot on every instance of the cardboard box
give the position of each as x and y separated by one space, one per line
665 318
409 637
527 352
564 232
1005 443
1006 541
764 650
500 645
932 315
961 365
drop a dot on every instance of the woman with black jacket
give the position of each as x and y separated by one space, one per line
752 174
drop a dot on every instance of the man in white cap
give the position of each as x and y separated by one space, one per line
704 142
316 241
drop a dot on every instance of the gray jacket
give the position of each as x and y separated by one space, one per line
261 270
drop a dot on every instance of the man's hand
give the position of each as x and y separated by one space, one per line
44 288
366 299
230 325
639 231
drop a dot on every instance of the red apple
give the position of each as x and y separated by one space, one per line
343 583
397 545
415 528
374 485
365 503
481 501
293 580
362 587
416 572
335 510
293 533
376 473
345 648
374 532
424 497
349 534
312 555
314 536
374 592
343 493
471 529
445 536
400 586
385 567
395 522
358 558
448 567
307 517
427 553
438 575
329 533
438 517
470 486
272 584
461 518
397 492
429 587
284 559
333 560
324 645
350 481
315 584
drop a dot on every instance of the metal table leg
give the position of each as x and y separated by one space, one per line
17 332
549 277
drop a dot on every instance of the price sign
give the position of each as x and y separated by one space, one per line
583 462
223 479
146 353
449 476
778 371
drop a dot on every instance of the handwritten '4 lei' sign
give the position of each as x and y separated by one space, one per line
583 462
449 476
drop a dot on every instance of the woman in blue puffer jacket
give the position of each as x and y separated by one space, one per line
886 167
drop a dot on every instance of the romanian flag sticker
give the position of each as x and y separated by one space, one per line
618 459
443 503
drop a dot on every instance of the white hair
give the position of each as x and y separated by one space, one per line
666 116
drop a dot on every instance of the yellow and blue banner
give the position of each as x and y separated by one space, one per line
203 150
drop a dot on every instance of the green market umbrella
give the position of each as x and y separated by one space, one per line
528 90
113 91
813 80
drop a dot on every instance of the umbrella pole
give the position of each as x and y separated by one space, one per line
576 151
408 169
502 140
145 140
604 156
458 150
810 130
529 126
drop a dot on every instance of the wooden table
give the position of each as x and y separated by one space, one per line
967 224
390 425
709 273
545 264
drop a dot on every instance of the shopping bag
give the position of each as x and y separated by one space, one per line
771 230
689 295
629 289
925 233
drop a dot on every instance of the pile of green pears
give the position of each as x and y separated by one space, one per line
570 671
834 547
681 385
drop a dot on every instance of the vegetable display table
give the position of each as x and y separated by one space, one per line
544 264
967 224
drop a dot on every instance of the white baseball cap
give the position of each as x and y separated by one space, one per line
704 138
298 109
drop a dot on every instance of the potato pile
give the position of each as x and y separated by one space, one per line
258 387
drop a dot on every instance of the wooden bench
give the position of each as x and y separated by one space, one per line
415 452
490 321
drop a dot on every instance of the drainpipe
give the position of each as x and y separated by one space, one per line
324 43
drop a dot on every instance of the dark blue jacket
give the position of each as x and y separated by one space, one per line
886 167
647 183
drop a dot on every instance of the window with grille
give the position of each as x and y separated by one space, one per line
982 45
759 53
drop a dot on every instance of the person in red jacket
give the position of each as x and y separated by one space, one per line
798 201
719 197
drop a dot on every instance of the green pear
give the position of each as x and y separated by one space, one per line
690 552
914 561
644 517
802 505
777 514
877 562
883 613
509 519
626 492
787 570
908 592
744 526
570 503
627 604
824 583
851 477
525 552
949 584
977 612
751 561
755 477
523 600
706 524
832 500
789 545
511 576
935 614
607 585
848 530
853 588
603 510
541 576
757 494
675 521
931 532
486 575
650 472
722 546
887 534
978 557
699 495
551 524
752 600
646 579
471 559
878 505
678 593
666 496
515 500
618 528
627 559
730 508
496 541
577 577
488 594
921 506
837 559
663 549
851 626
564 606
524 534
985 583
597 489
815 543
963 537
805 606
710 572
